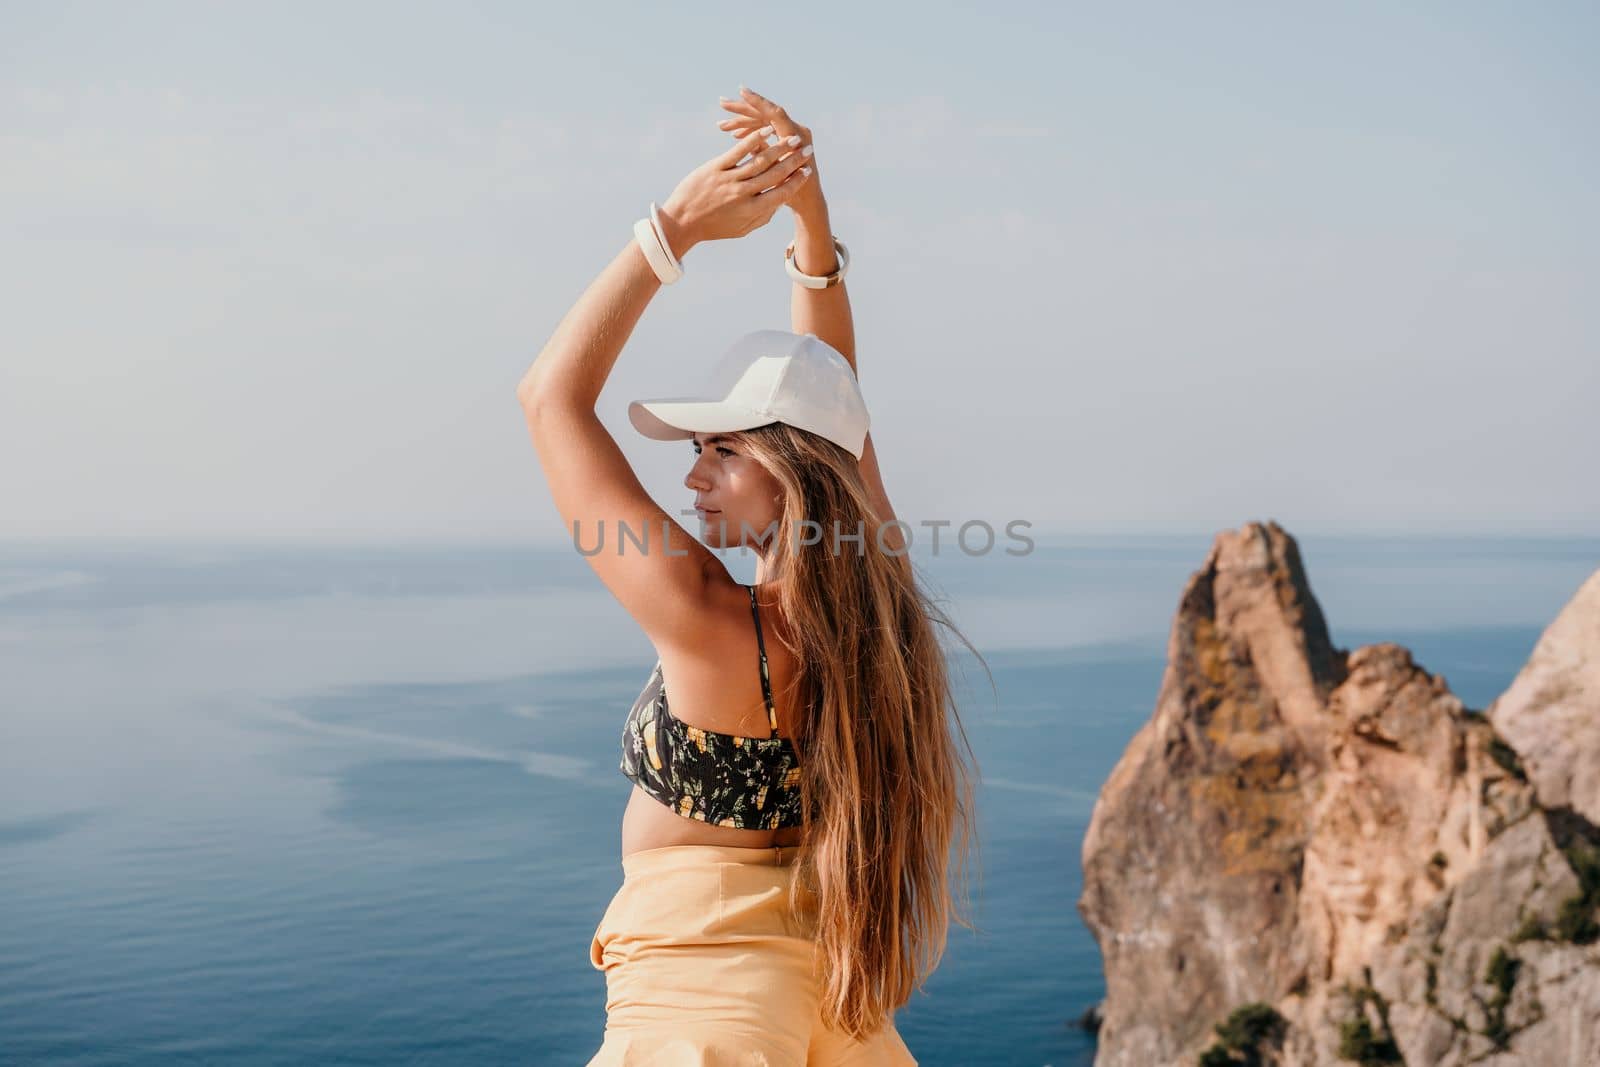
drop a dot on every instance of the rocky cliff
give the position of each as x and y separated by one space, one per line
1311 855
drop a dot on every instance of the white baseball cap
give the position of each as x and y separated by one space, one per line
766 376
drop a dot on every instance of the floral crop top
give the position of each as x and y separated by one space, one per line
750 783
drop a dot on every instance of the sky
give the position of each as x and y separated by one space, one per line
273 272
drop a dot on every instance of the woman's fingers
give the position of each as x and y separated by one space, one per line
785 190
778 162
740 131
761 162
746 119
752 108
750 143
767 107
753 105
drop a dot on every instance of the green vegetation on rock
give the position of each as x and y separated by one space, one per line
1359 1041
1240 1039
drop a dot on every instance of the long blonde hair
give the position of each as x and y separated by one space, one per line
881 773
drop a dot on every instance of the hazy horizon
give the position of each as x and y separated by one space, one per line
275 273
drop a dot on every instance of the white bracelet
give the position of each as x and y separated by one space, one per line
645 235
655 254
813 281
661 235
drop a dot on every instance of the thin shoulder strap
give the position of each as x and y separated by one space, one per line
766 681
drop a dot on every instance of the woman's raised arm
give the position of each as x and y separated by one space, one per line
664 588
824 312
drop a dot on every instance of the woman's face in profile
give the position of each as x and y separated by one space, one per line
738 495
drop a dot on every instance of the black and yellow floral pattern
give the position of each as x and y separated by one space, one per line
745 782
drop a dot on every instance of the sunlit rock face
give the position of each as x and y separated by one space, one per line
1329 848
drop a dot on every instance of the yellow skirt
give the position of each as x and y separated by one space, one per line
706 965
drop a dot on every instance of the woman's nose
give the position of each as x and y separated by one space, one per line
694 481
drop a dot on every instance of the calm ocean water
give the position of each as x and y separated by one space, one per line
361 806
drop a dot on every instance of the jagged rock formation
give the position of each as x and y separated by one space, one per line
1329 855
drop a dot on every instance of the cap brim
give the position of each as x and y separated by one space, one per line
680 418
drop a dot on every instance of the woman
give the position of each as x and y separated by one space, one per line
786 845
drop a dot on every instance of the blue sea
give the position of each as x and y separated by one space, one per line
360 805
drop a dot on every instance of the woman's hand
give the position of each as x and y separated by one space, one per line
750 110
724 198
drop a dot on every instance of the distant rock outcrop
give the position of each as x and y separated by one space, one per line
1551 713
1314 856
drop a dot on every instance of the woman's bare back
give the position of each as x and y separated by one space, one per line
718 689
